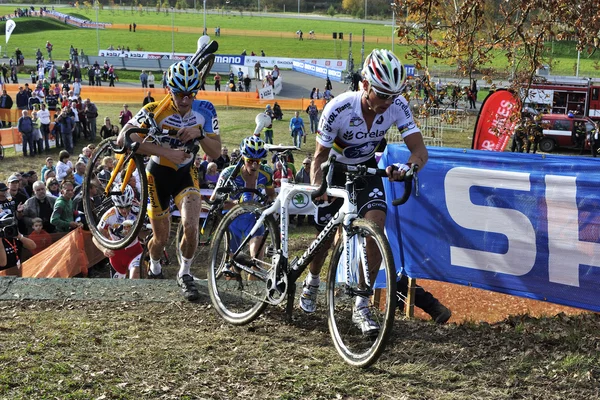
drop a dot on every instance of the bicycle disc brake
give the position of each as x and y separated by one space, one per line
277 282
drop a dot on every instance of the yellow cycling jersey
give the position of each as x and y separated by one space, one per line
202 114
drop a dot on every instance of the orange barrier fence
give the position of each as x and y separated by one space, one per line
133 95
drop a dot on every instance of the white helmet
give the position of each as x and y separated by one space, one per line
384 72
125 199
262 121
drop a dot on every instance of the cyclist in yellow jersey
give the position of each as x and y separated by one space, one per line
169 170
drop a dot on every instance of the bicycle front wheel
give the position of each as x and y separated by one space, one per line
240 264
361 315
97 195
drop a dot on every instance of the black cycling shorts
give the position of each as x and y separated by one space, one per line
165 182
368 191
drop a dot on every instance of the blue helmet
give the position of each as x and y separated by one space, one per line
253 147
183 77
570 115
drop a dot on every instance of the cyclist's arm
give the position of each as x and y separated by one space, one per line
418 152
321 155
150 149
418 155
212 145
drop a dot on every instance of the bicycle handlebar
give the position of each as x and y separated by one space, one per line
362 170
191 147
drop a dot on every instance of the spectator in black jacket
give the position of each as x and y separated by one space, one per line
22 99
148 99
6 103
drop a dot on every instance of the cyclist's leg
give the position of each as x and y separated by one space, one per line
189 202
160 180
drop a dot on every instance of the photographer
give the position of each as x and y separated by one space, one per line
12 245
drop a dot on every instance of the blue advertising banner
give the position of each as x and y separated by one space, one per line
316 70
522 224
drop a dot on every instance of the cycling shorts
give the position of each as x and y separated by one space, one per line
126 259
165 182
370 195
239 229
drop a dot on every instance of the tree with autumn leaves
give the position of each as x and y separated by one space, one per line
468 34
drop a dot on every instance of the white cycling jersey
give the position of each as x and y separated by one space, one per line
114 223
202 114
343 128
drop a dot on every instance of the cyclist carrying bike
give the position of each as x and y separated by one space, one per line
169 170
114 224
351 127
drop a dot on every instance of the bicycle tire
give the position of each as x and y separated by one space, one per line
1 152
237 298
95 207
354 347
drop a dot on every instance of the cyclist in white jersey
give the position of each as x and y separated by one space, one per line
352 126
114 225
169 170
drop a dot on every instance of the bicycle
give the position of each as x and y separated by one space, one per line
250 266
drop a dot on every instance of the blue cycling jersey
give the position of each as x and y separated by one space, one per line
263 181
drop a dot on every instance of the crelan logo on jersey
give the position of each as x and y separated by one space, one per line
300 200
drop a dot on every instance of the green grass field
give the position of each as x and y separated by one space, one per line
32 33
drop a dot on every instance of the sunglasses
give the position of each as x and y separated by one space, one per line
123 207
183 95
306 163
252 160
383 96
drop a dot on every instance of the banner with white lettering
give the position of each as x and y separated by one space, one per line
522 224
316 70
266 92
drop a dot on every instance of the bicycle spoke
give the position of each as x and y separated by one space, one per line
361 315
237 283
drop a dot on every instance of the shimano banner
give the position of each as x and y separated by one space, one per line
522 224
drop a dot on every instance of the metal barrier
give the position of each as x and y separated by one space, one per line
144 63
435 122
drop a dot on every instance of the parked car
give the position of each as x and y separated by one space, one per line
559 131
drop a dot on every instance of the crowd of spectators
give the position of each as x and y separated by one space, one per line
45 203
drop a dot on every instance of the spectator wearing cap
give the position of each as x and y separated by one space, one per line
40 205
18 198
15 188
48 167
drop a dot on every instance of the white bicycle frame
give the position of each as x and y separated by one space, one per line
346 214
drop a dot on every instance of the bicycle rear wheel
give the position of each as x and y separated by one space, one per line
97 196
345 285
240 264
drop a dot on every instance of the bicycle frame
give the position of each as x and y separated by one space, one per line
346 214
